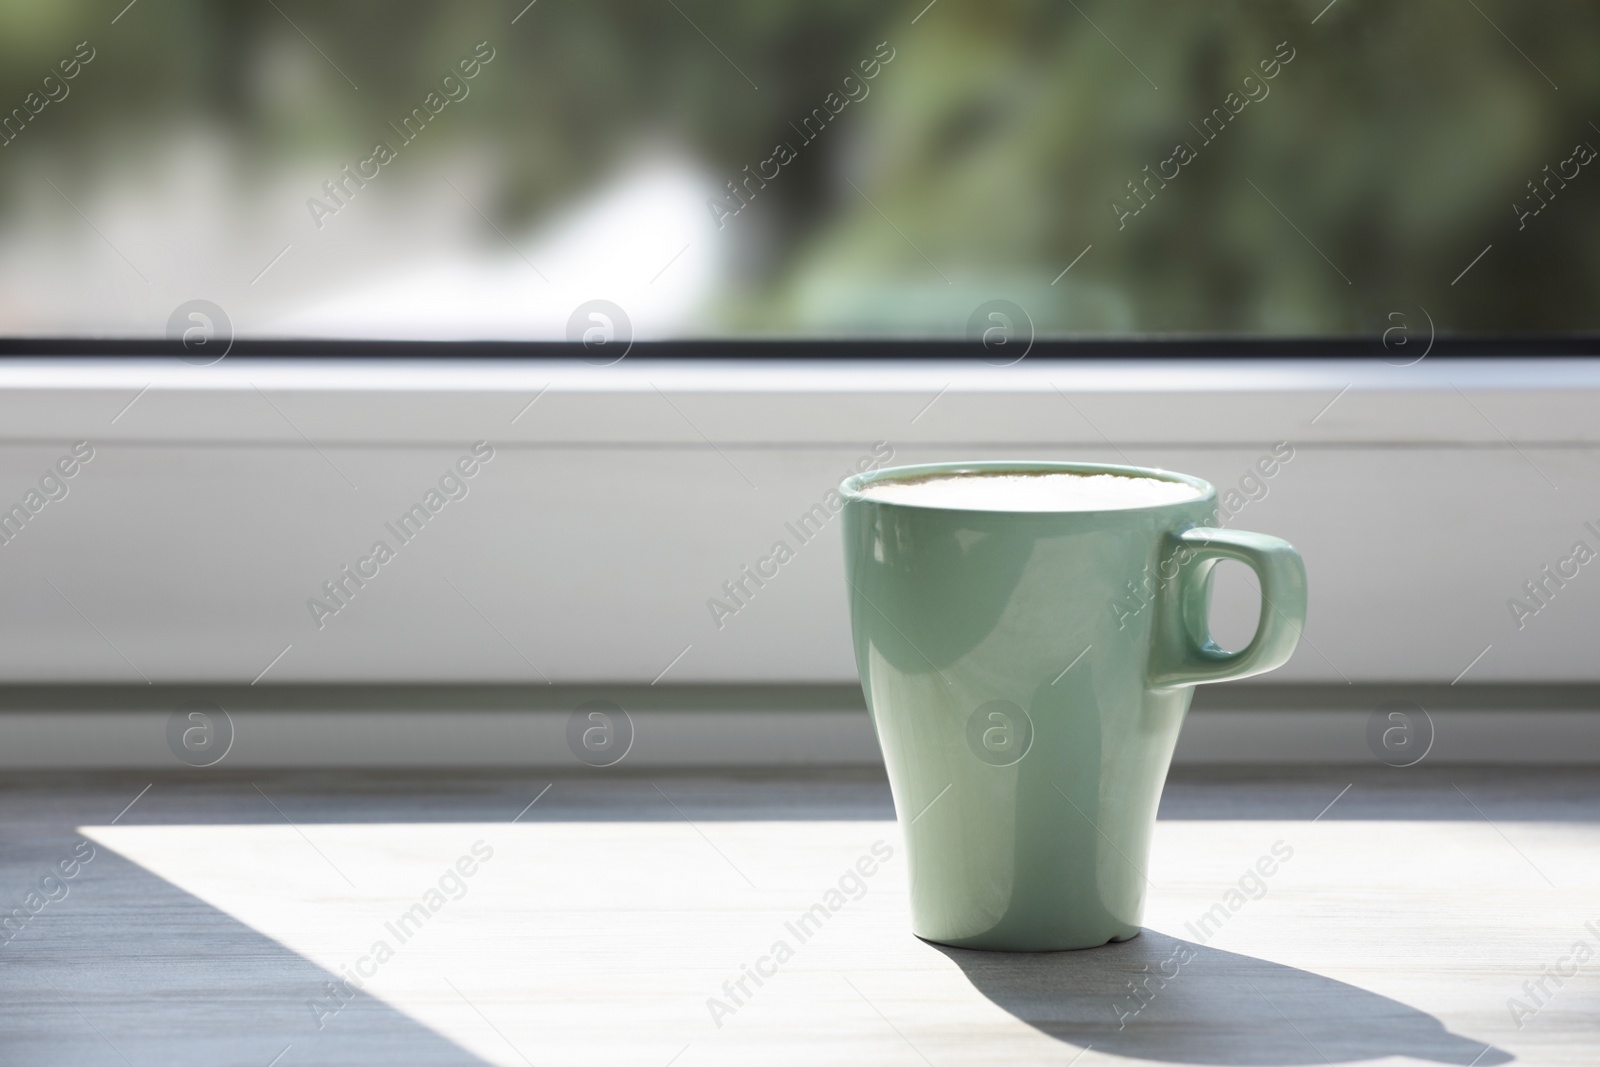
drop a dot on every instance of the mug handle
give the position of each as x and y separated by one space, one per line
1183 652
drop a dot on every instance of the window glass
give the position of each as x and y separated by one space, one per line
693 169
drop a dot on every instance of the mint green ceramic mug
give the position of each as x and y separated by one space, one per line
1027 673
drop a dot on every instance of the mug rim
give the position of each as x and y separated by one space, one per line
850 488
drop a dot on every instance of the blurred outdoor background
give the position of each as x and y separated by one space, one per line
980 161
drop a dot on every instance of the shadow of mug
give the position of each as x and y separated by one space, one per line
1161 998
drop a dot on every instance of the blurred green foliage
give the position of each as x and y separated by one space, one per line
987 156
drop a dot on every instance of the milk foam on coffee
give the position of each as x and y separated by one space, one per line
1024 491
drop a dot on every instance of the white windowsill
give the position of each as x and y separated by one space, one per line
221 498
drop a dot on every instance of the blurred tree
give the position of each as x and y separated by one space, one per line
988 155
